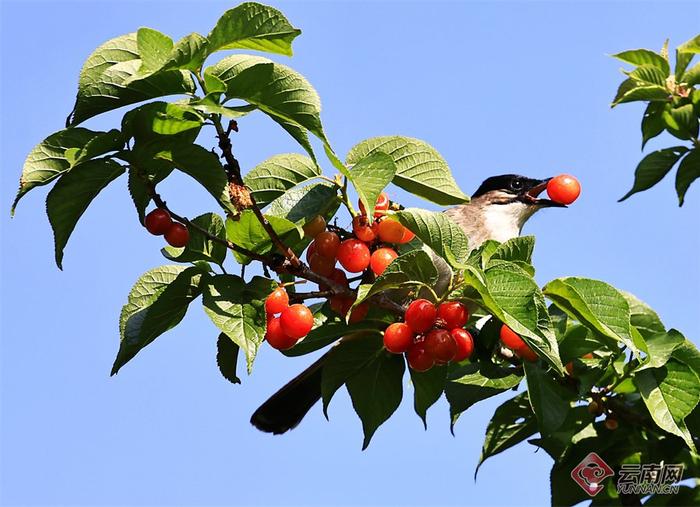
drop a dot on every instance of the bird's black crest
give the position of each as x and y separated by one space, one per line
511 183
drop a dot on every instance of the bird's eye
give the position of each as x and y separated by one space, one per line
516 185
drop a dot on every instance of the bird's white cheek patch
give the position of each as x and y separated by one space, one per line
504 221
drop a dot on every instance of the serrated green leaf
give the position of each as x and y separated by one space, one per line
684 55
653 168
200 247
237 308
579 341
247 232
227 358
550 400
104 80
157 302
627 85
652 122
48 160
428 386
511 423
407 270
72 195
155 171
438 232
648 75
644 57
642 316
153 47
370 176
660 348
688 172
420 169
692 76
651 93
273 177
517 249
670 393
210 105
160 118
681 122
253 26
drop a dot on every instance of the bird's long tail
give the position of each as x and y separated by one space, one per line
285 409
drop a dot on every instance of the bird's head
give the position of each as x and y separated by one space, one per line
511 189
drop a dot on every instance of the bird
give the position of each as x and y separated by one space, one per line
498 210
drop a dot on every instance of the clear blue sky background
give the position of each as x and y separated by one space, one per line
496 87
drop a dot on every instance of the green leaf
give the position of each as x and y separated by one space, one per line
517 249
273 177
370 176
428 386
644 57
104 80
154 171
157 302
247 231
237 308
688 172
681 122
470 383
437 231
653 168
275 89
188 53
684 55
420 169
550 400
153 47
648 75
595 304
71 196
692 76
579 341
161 118
56 154
652 122
227 358
408 270
253 26
376 391
660 348
202 165
200 247
642 317
627 85
670 393
512 422
651 93
210 105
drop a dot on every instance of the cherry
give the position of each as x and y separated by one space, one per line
362 229
177 235
390 231
158 222
341 304
440 344
327 244
420 315
611 423
358 313
353 255
398 338
381 258
465 344
380 206
407 236
338 276
314 227
324 266
563 189
310 251
418 358
277 301
296 320
527 354
511 339
453 313
594 408
276 337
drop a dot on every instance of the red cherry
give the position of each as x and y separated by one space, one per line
420 315
453 313
353 255
418 358
407 236
511 339
341 304
177 235
362 229
158 222
465 344
276 337
327 244
358 313
390 231
324 266
310 250
314 227
527 354
338 276
381 258
611 423
296 320
380 206
563 189
440 344
277 301
398 338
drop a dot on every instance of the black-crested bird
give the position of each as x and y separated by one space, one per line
497 210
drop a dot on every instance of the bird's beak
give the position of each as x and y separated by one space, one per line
530 196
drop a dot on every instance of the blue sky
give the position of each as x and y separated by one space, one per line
495 87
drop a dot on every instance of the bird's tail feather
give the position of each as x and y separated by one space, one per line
285 409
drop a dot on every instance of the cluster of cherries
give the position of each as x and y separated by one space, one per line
431 334
286 324
159 223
